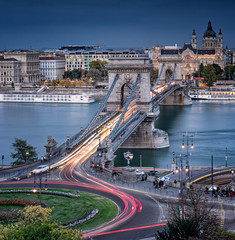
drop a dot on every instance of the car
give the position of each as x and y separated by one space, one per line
153 173
139 172
20 175
40 169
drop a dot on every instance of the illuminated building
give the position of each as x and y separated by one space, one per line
189 58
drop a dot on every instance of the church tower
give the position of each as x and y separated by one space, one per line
194 39
220 39
209 40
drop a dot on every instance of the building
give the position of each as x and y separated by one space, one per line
9 71
189 58
82 59
29 65
52 68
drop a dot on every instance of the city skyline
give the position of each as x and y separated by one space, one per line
116 24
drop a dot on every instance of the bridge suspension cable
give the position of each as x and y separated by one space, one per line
130 98
155 84
102 106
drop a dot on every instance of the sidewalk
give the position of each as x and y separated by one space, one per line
169 193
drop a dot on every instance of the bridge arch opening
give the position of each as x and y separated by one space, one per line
125 93
168 75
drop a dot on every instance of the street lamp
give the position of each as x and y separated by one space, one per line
27 156
39 185
2 160
232 171
128 156
226 157
188 138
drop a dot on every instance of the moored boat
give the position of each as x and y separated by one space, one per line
46 98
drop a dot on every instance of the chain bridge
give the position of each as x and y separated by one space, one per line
127 114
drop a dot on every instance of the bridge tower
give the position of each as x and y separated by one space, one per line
128 69
145 136
170 62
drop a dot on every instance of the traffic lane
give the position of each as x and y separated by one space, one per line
136 233
143 225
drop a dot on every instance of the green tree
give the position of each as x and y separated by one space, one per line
94 74
100 66
193 218
37 224
218 70
153 75
229 71
24 152
199 72
209 75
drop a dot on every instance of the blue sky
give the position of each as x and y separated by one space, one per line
112 23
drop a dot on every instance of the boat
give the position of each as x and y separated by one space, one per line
46 98
213 94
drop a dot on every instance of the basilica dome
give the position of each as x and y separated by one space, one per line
209 31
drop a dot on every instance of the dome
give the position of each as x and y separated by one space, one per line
209 31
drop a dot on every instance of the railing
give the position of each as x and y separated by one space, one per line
127 130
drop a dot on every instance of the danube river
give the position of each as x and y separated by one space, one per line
211 123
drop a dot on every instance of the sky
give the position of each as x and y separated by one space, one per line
47 24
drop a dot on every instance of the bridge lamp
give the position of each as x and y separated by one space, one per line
176 170
186 169
183 146
192 146
232 171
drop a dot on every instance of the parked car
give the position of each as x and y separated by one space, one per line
153 173
139 172
20 175
40 169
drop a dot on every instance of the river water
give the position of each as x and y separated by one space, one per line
210 123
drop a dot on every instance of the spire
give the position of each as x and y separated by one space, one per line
209 27
194 33
220 31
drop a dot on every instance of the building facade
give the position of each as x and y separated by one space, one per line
189 58
82 59
9 71
52 68
29 65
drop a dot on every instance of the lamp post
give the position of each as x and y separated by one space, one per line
188 138
39 185
128 156
226 157
27 156
232 171
2 160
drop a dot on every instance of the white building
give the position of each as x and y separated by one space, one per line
52 68
9 71
82 59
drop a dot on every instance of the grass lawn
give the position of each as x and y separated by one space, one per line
67 209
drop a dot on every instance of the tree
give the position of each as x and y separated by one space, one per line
100 66
37 224
153 75
209 75
198 73
193 218
229 72
24 152
218 70
94 74
74 74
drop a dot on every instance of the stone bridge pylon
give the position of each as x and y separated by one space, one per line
145 136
